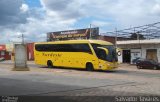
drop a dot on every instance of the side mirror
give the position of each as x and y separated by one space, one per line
105 49
119 51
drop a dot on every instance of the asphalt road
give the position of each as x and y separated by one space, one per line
45 84
40 81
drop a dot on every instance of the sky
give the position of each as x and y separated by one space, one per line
34 18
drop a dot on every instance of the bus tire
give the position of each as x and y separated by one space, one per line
89 67
49 64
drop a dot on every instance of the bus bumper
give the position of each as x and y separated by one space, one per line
109 66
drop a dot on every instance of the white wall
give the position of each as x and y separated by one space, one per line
158 54
135 53
143 53
136 48
20 56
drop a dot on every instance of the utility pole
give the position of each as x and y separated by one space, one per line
90 36
22 39
116 37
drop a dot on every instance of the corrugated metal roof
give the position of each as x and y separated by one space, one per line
152 41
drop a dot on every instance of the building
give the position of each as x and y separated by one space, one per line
132 49
30 51
111 39
4 53
7 51
107 38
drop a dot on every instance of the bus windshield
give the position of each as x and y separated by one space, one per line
111 56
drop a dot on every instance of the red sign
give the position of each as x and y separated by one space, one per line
2 47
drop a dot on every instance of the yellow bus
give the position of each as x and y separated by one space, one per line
86 54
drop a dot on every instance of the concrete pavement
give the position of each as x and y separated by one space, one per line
40 81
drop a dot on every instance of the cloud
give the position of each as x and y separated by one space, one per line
124 13
66 9
100 23
128 13
156 9
54 15
24 8
10 13
56 5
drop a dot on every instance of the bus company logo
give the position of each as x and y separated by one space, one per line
52 55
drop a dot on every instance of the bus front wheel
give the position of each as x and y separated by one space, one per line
49 64
89 67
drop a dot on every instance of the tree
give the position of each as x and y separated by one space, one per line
135 36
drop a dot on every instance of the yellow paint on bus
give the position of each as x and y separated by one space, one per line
86 54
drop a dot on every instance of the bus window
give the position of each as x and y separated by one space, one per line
63 48
111 56
101 54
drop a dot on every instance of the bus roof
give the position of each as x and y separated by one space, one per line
101 42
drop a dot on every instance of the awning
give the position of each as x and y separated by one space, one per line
2 47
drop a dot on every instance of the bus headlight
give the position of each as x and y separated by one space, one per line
108 64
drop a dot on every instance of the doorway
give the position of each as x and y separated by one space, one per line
152 54
126 56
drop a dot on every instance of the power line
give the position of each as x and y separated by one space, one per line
148 31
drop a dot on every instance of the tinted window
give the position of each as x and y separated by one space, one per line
112 56
63 47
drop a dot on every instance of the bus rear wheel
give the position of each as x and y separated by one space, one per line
49 64
89 67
